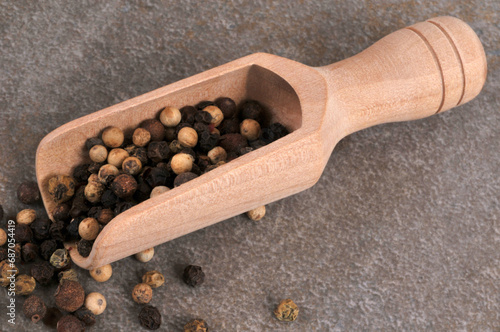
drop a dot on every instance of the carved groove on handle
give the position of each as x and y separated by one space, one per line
436 60
457 54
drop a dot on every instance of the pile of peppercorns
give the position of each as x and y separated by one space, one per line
162 153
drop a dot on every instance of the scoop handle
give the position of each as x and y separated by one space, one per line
415 72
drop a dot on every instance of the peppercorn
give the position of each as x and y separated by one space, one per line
251 110
92 141
155 128
42 272
84 247
23 233
28 192
183 178
287 310
142 155
250 129
216 113
142 293
107 174
80 204
132 165
85 315
153 278
29 252
72 229
67 275
3 254
124 185
229 126
81 173
109 199
157 151
187 137
196 325
61 212
98 153
170 116
158 191
89 229
60 258
47 248
227 106
274 132
69 296
217 154
145 255
94 168
40 228
202 117
188 113
175 146
61 188
181 163
141 137
105 216
117 156
6 271
193 275
96 303
257 213
26 216
3 237
102 274
156 176
58 231
233 142
34 308
70 323
122 207
25 284
112 137
150 317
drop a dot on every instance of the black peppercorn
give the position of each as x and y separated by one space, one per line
70 323
84 247
72 228
34 308
193 275
69 296
42 272
157 151
156 176
141 154
202 117
23 233
150 317
251 110
28 192
155 128
80 205
109 199
40 228
227 106
3 254
233 142
81 173
188 113
122 207
29 252
124 185
183 178
61 212
229 126
143 191
85 315
58 231
47 248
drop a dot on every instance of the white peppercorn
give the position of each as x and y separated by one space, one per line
181 163
3 237
107 174
250 129
187 137
98 153
95 302
142 293
216 113
132 165
217 154
170 116
89 229
145 255
102 274
117 156
26 216
113 137
141 137
257 213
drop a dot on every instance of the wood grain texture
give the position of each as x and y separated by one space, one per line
410 74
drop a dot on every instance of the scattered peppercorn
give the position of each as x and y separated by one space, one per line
155 128
60 258
42 272
26 216
25 284
96 303
145 255
196 325
98 153
142 293
193 275
67 275
34 308
170 116
153 278
94 191
86 316
61 188
28 192
69 296
150 317
58 231
40 228
132 165
84 247
89 229
70 323
29 252
102 274
287 310
257 213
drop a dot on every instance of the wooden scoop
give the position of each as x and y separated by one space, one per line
412 73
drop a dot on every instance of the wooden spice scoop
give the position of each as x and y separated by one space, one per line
412 73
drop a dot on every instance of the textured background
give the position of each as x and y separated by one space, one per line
402 232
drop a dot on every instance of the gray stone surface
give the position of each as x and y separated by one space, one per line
402 231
